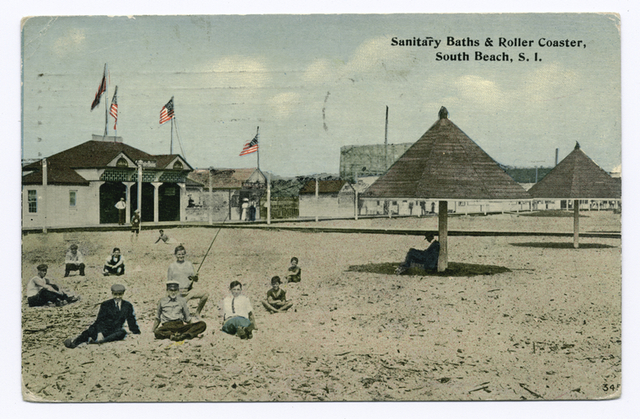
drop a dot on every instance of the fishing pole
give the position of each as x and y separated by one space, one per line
206 254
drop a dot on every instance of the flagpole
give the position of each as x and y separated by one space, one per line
106 99
171 146
258 132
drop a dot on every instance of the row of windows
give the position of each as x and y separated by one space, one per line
32 200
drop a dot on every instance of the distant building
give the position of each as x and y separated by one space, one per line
80 186
335 199
369 160
229 189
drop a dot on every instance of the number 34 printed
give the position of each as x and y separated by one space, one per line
610 387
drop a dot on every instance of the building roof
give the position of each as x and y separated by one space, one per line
324 186
446 164
89 155
577 176
222 178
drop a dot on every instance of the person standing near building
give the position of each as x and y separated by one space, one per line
245 210
74 261
121 206
135 223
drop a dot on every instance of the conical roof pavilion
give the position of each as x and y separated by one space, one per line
577 177
446 164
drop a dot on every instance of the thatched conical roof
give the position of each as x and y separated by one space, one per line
446 164
577 177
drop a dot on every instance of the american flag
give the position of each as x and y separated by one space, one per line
101 89
114 108
250 147
167 112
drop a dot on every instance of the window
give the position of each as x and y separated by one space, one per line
122 162
72 198
177 166
32 199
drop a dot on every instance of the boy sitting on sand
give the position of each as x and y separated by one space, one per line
114 264
294 272
276 301
173 320
237 313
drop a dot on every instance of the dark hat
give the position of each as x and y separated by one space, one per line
173 285
43 267
117 288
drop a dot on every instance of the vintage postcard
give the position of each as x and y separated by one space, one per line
393 207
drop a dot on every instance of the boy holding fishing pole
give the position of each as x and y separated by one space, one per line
182 272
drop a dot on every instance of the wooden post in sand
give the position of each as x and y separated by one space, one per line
210 195
576 223
317 202
44 195
443 210
268 198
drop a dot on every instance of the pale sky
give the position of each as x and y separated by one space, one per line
314 83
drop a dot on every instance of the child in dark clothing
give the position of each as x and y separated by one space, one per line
276 301
294 272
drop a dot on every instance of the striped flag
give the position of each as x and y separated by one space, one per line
167 112
114 108
101 89
250 147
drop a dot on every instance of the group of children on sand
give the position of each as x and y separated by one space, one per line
173 320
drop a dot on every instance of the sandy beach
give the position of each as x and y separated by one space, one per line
546 327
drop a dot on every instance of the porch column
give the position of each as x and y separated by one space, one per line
183 194
156 217
127 211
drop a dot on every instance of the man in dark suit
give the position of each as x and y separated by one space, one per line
427 259
108 327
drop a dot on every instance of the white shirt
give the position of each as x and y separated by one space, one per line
239 306
71 258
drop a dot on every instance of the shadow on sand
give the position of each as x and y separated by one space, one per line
454 269
567 245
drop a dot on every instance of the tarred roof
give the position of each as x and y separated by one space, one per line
90 155
577 176
446 164
324 186
222 178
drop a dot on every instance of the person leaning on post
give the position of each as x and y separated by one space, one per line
173 320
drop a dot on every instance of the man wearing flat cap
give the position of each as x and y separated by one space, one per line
173 320
108 327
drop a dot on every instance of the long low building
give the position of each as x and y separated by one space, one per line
80 186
